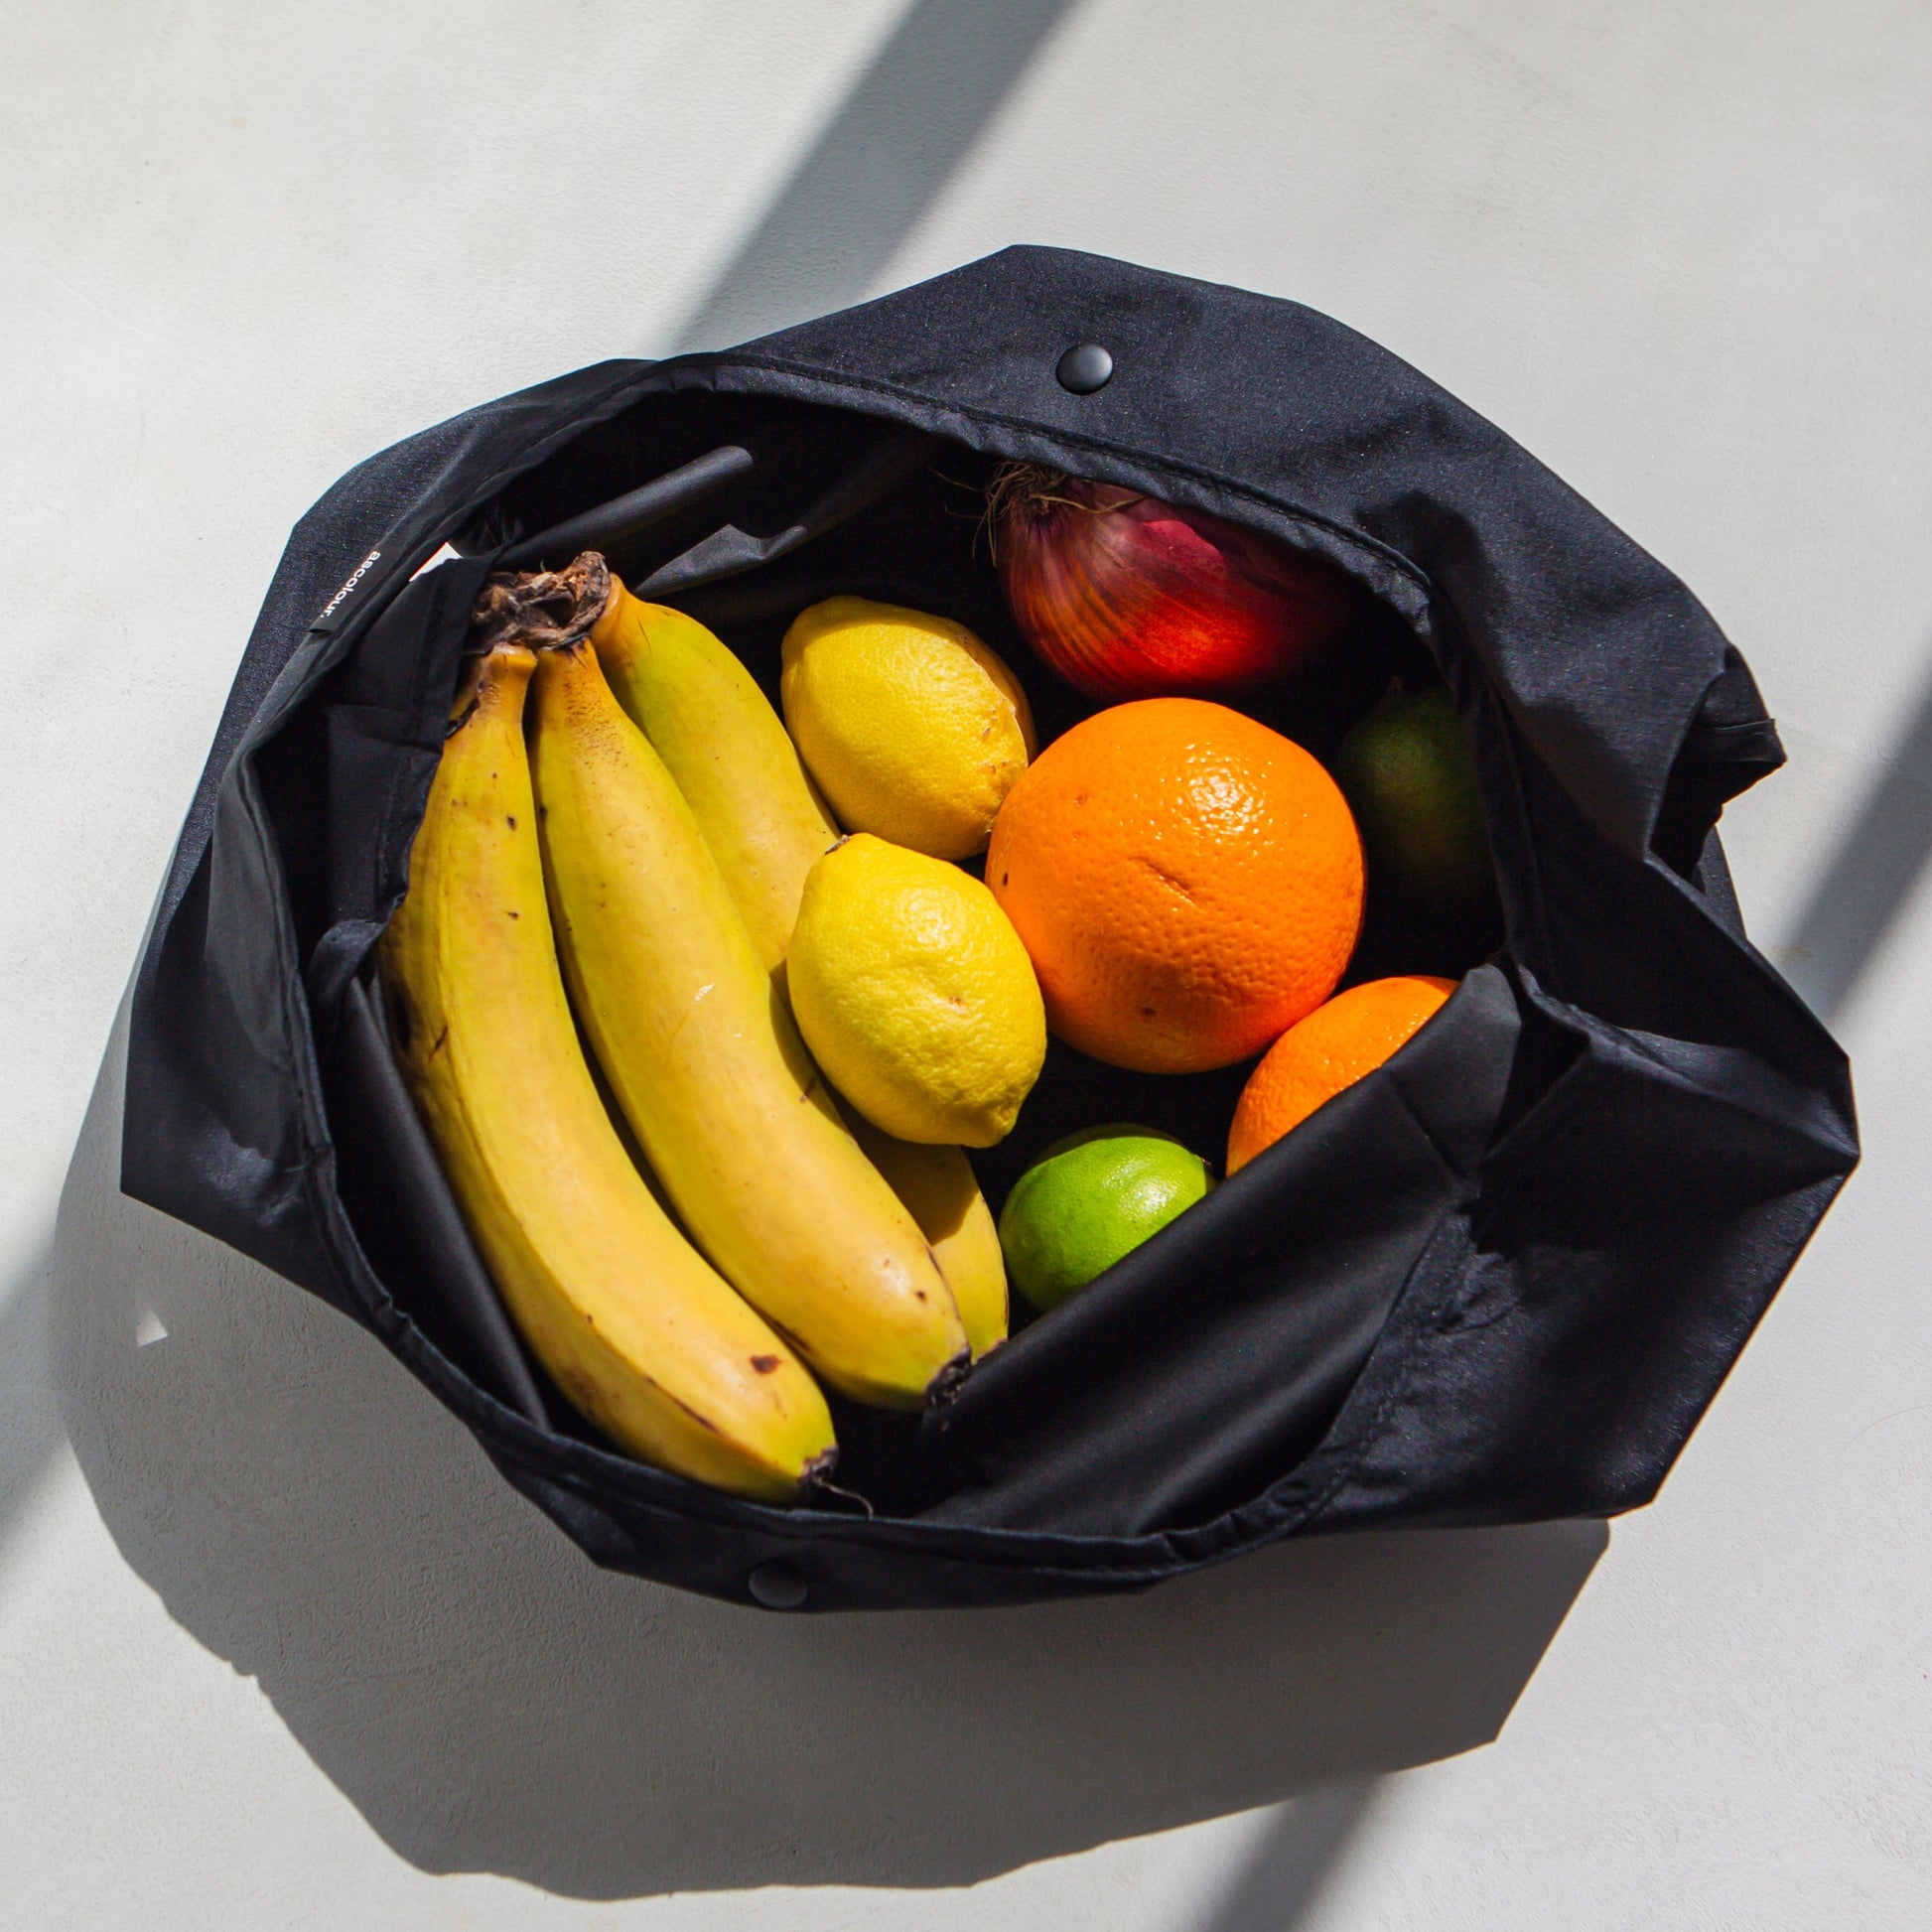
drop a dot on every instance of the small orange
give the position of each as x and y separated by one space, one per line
1188 883
1328 1051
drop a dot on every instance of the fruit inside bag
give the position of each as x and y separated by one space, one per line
841 518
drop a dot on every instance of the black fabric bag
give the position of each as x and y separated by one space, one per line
1498 1279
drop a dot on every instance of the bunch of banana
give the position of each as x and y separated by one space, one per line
665 887
629 1320
766 824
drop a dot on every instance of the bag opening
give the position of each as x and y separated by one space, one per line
831 503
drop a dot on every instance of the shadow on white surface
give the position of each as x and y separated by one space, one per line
1868 876
1283 1876
30 1414
904 127
490 1701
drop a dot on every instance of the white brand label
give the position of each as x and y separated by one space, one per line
356 576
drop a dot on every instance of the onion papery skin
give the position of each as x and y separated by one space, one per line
1127 596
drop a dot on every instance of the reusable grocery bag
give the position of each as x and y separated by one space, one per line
1498 1279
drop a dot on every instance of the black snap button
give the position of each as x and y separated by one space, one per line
1085 367
777 1586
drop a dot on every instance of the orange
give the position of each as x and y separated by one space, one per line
1328 1051
1188 883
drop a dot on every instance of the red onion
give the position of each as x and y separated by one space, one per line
1126 597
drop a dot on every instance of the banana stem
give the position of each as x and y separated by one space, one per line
547 609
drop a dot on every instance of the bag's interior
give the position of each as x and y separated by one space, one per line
1188 1403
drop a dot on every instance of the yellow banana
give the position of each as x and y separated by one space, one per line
732 758
631 1322
942 1193
766 824
700 1050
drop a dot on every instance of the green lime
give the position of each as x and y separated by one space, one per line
1410 779
1088 1200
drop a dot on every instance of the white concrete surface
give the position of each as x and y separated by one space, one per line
275 1647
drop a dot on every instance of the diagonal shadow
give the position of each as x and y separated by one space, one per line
30 1414
490 1701
1862 887
1280 1880
907 124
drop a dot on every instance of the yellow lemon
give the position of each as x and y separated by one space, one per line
914 994
910 727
